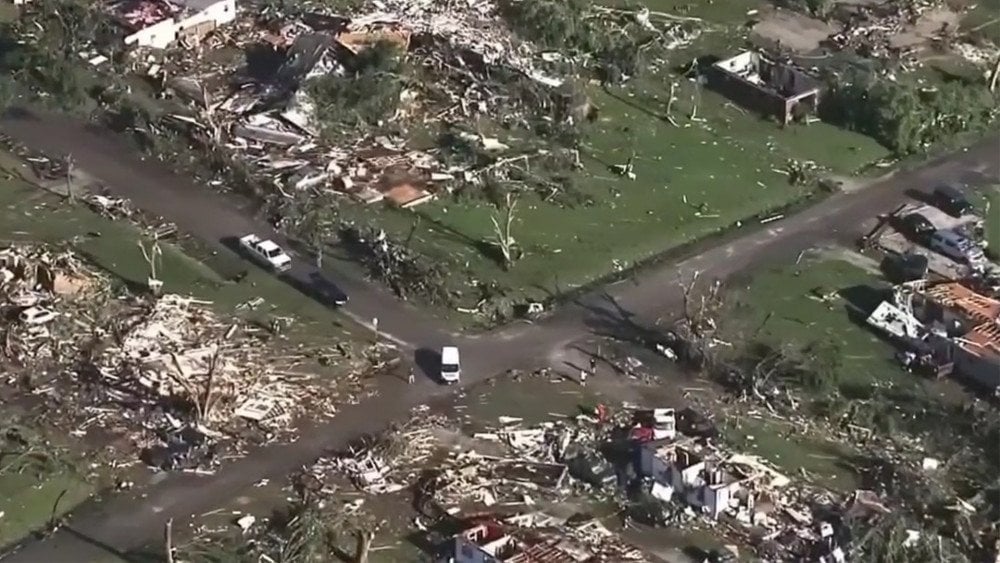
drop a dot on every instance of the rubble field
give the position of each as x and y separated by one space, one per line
563 477
146 369
121 379
433 156
553 464
410 131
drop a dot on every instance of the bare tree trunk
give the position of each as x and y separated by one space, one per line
365 538
995 76
152 256
504 239
670 104
168 539
69 178
55 510
208 399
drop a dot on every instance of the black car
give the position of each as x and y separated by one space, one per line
326 291
951 200
917 227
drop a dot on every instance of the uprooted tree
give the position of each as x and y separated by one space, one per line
392 263
366 95
615 48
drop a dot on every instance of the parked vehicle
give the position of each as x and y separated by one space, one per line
951 200
957 247
266 252
451 366
326 291
917 227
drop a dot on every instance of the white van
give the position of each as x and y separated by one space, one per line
957 247
451 367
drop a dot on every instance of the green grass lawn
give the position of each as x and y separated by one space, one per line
29 214
780 306
27 501
692 180
40 478
825 463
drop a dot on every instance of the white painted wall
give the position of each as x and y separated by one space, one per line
161 35
157 36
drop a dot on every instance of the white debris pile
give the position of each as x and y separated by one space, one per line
386 464
174 349
600 543
469 479
472 25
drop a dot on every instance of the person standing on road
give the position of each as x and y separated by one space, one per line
583 377
411 377
593 365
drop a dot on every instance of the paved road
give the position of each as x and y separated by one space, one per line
122 523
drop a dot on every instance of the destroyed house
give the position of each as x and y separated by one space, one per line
158 24
490 541
770 87
687 474
974 322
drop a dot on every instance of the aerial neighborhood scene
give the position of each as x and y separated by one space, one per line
499 281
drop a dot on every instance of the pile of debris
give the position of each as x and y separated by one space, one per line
875 30
631 455
387 463
37 287
163 371
465 62
174 350
396 265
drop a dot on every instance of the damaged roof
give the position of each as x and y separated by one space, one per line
954 295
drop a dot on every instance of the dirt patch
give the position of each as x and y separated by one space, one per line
794 31
929 26
866 263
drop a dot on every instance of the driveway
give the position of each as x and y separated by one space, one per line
122 523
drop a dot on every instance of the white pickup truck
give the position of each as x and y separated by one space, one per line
266 252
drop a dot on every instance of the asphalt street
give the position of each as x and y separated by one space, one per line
121 523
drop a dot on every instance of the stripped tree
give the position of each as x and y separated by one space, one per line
503 239
154 259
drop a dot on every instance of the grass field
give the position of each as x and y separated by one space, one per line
692 180
27 501
797 305
39 479
825 463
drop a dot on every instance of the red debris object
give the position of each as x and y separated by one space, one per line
602 413
641 434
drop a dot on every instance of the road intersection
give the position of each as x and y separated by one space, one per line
624 309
